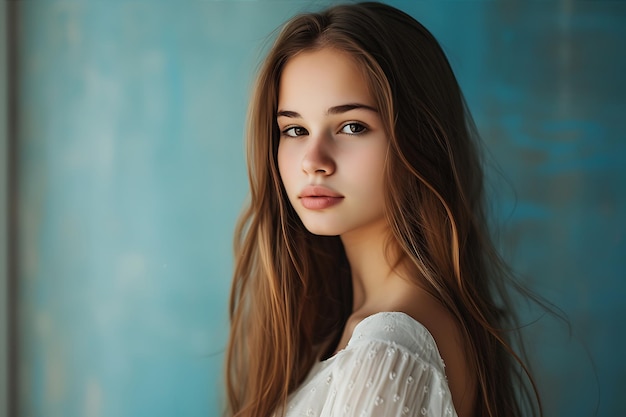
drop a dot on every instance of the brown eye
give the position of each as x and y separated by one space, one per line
353 128
295 131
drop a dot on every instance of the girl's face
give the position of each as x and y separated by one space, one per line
332 149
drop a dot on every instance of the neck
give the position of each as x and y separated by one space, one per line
372 273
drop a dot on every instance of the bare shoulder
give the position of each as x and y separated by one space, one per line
447 332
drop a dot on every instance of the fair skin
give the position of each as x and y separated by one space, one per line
331 158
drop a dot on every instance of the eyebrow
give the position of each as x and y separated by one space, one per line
333 110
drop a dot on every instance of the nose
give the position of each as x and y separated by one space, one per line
318 158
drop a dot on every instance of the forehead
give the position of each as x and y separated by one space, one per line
324 77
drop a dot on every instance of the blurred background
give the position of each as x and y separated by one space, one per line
123 172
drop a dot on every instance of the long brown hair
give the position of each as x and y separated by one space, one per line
292 294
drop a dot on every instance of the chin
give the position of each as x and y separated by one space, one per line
322 232
322 229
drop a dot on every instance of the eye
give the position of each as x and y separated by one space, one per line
353 128
294 131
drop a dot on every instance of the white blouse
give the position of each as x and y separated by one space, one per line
390 367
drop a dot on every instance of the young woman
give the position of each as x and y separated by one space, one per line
363 261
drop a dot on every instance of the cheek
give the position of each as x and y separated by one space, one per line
369 167
285 166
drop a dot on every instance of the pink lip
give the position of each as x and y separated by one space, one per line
317 197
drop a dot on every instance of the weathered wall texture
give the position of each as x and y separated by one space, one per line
131 174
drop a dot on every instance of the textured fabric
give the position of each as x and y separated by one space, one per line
391 367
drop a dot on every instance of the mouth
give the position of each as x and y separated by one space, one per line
316 197
318 191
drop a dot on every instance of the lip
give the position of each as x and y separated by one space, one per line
318 191
317 197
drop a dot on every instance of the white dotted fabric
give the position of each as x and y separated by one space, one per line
391 367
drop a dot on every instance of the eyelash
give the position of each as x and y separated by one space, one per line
360 127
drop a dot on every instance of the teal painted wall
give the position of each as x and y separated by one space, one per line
132 173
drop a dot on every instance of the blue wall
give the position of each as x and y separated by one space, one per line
132 174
